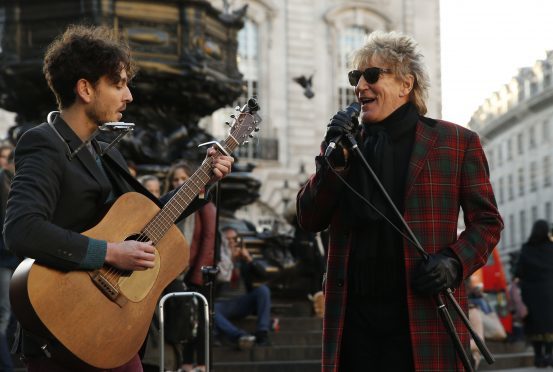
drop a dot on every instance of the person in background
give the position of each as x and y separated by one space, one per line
8 261
199 231
380 308
5 151
151 183
238 298
535 272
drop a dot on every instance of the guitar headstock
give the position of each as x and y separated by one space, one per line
244 124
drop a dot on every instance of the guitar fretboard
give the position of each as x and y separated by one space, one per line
159 225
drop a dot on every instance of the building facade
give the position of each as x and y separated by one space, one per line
293 55
284 40
515 125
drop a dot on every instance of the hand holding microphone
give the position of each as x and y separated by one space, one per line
343 123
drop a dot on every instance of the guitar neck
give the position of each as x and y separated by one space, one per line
182 198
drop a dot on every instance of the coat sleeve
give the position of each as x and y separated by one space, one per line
34 195
482 220
318 198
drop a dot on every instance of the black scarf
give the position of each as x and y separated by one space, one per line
376 257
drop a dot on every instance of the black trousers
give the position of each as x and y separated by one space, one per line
375 337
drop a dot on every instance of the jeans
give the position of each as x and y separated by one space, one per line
5 313
258 301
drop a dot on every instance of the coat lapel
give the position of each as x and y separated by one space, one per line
84 155
425 137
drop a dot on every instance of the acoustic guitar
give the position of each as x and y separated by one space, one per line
101 318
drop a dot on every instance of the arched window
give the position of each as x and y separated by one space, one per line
349 39
248 58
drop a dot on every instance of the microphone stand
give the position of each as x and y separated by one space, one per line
444 313
209 274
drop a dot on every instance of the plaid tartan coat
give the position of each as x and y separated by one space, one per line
447 170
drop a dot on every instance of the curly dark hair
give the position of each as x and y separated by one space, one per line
85 52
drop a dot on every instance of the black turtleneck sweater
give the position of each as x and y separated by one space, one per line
376 266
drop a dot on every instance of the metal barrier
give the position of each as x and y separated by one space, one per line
162 328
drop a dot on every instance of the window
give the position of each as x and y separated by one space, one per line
547 171
248 58
532 137
490 158
533 176
248 65
512 229
545 131
520 181
534 214
501 195
548 211
533 88
520 146
500 154
510 187
522 226
349 39
509 149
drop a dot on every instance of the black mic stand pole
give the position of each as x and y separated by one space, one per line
209 274
444 313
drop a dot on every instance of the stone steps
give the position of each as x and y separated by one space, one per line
508 355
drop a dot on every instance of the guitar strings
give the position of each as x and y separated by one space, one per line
156 226
169 214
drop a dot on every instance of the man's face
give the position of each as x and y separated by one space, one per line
382 98
109 100
233 241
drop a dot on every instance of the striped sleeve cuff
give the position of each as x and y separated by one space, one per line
95 254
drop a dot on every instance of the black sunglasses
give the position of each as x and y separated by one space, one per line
371 75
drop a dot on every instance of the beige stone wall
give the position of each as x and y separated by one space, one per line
299 37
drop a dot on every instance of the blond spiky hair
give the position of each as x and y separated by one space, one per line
402 54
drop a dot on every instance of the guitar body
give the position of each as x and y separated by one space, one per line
70 307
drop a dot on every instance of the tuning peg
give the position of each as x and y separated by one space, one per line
256 129
233 116
237 108
250 135
227 123
246 142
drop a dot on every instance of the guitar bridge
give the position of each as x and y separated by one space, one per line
108 289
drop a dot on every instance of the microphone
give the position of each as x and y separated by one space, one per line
116 126
352 111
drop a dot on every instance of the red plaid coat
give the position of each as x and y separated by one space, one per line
447 170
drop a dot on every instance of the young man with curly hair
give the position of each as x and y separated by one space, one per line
56 196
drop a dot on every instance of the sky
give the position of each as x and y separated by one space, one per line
483 44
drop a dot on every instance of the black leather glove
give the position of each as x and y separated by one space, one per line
441 271
342 123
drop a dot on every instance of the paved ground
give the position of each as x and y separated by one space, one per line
529 369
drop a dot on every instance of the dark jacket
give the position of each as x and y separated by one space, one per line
7 258
53 198
535 270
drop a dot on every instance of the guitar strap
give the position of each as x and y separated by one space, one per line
133 182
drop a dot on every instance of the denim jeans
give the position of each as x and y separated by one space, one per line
5 313
258 301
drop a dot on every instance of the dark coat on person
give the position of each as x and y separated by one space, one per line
535 270
53 198
447 171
